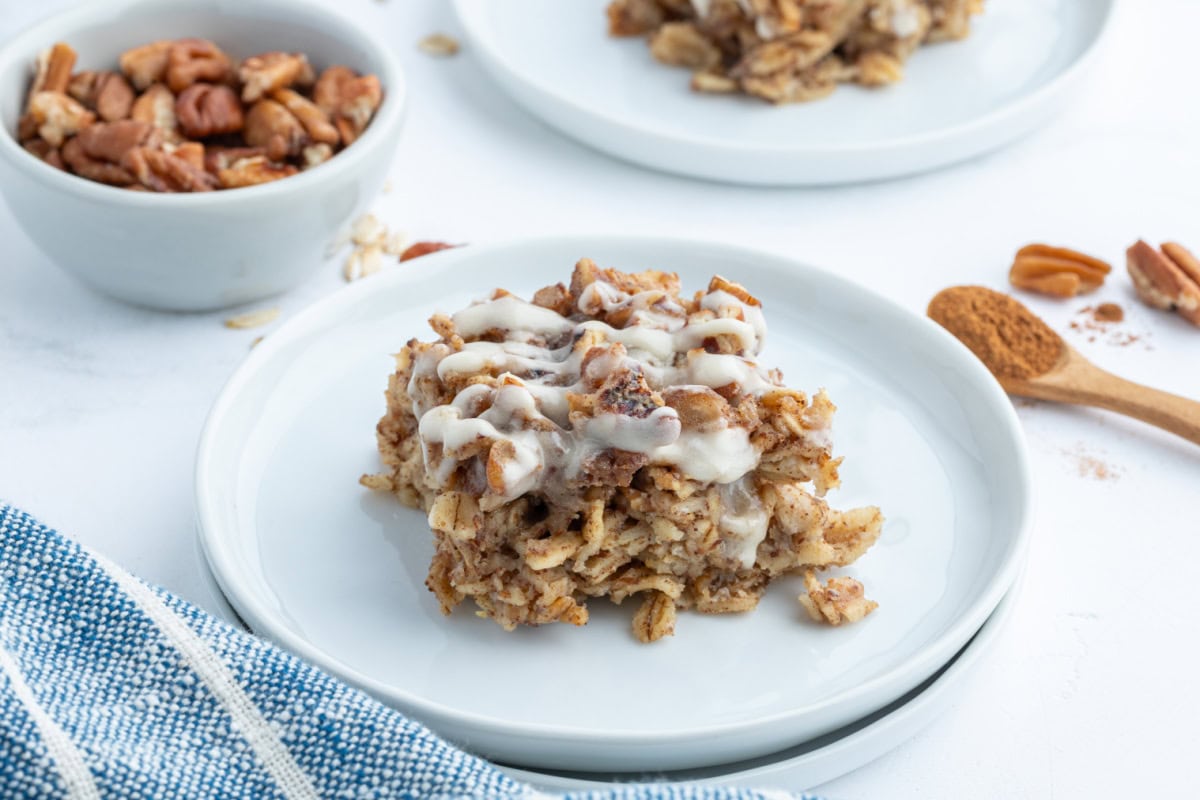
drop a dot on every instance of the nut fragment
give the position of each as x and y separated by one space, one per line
253 319
327 92
423 249
219 158
114 97
161 171
146 65
316 123
252 172
43 150
54 69
1056 271
267 72
110 141
839 600
58 116
193 60
206 110
27 127
1167 279
157 107
191 152
682 45
359 102
94 169
439 44
269 124
315 155
633 17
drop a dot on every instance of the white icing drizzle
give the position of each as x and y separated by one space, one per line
745 520
531 408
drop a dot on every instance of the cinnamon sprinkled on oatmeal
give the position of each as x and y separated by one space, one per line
1007 337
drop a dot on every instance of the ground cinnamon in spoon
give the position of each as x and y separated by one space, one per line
1008 338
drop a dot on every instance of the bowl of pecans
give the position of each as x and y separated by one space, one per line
194 154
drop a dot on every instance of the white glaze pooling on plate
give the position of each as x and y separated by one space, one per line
337 573
957 99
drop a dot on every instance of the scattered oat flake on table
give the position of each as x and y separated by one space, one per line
396 243
253 319
368 230
439 44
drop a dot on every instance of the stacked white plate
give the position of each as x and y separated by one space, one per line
957 99
336 573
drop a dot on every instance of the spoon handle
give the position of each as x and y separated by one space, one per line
1087 384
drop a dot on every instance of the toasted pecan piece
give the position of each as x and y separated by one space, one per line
161 171
206 110
110 141
157 107
58 116
269 124
1183 259
681 44
191 61
146 65
1056 271
268 72
54 67
75 156
1163 282
45 151
252 172
315 121
419 249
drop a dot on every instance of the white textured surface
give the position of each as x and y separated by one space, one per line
1089 693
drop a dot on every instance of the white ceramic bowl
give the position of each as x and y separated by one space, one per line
213 249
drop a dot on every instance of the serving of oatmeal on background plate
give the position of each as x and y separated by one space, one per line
790 51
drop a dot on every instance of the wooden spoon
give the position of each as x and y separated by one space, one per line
1031 360
1076 380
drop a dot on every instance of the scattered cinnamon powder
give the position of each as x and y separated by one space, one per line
1090 465
1101 321
1108 312
1009 338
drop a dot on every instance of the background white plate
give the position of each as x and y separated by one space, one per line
957 99
336 573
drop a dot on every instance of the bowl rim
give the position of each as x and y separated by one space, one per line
59 27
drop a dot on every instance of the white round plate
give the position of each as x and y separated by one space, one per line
957 99
336 573
827 757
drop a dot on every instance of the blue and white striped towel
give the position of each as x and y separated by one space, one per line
110 688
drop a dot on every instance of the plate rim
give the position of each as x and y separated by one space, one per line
926 705
262 621
1008 114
